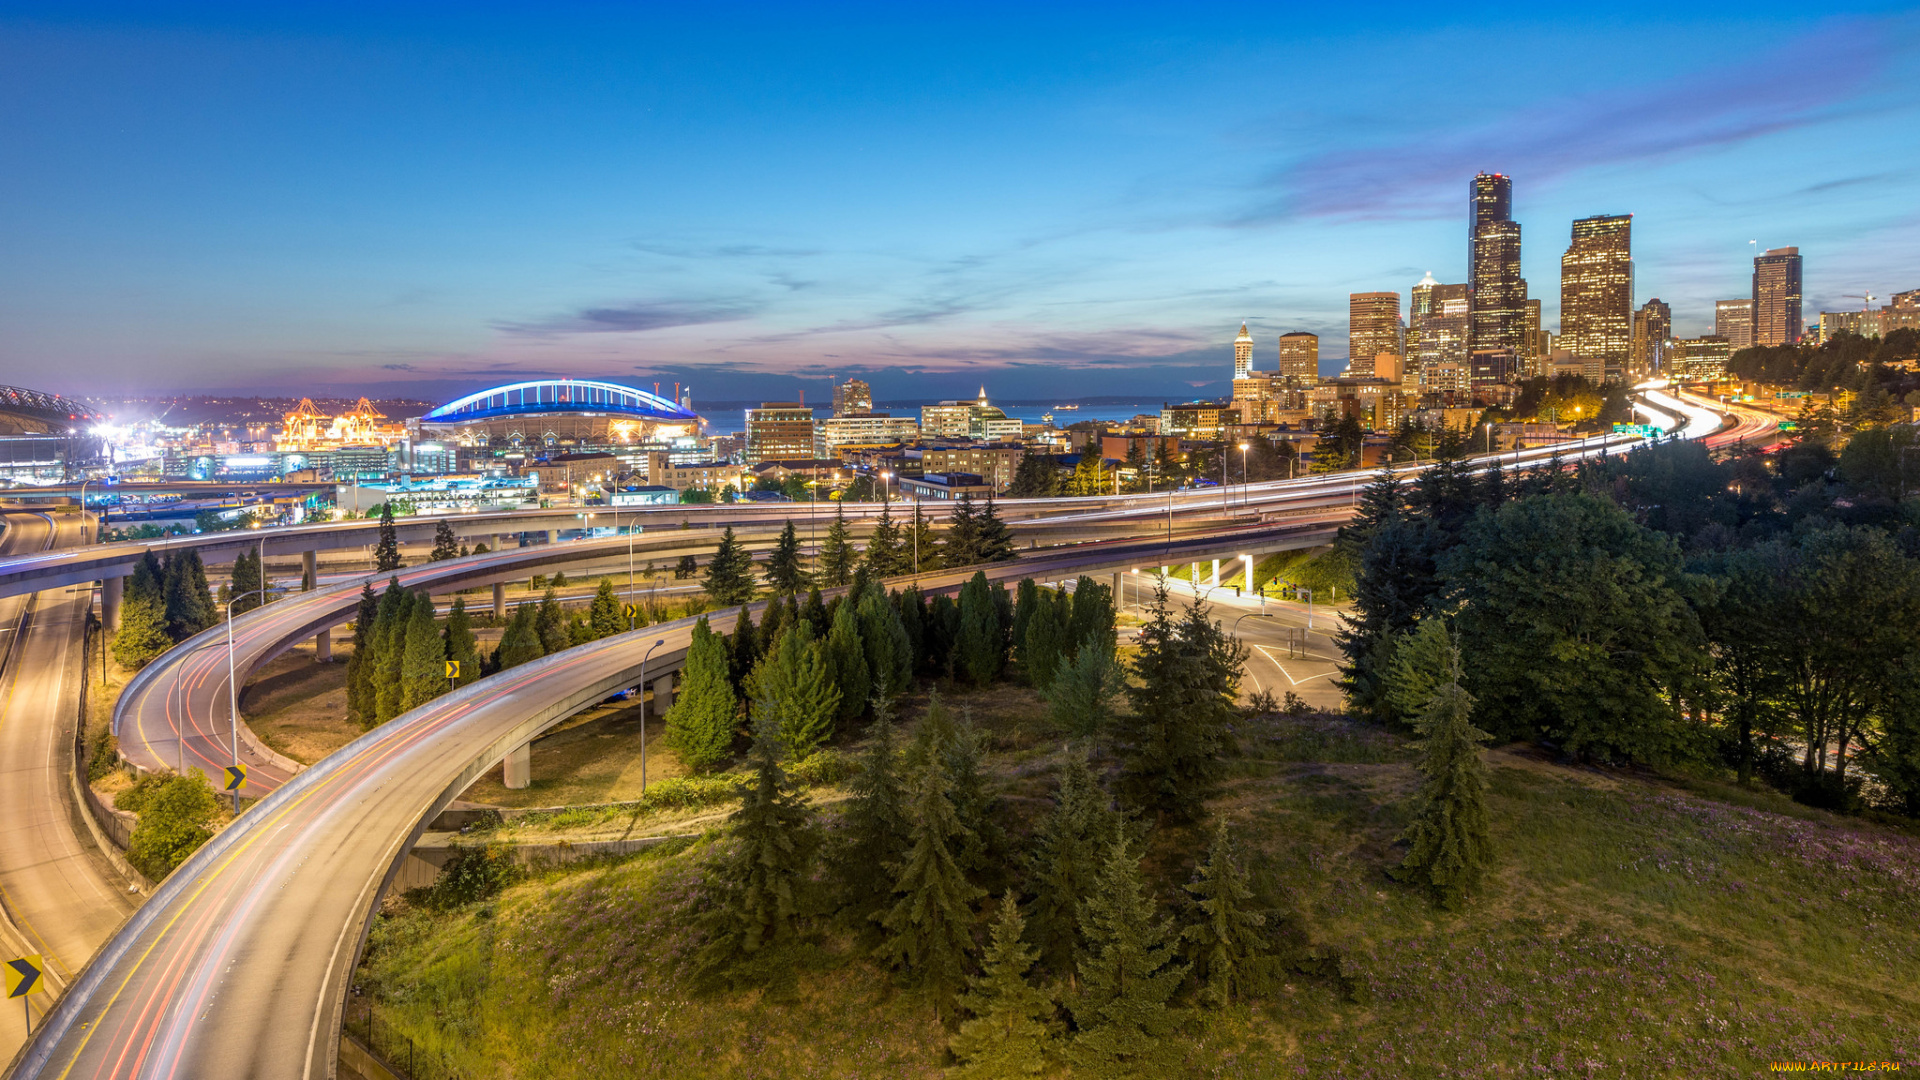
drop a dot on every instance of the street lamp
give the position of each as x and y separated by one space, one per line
233 690
643 712
885 475
1243 473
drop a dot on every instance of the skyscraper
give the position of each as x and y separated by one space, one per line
1776 297
1497 292
1652 328
1373 327
1536 346
1596 290
1733 320
1243 354
852 396
1437 325
1300 358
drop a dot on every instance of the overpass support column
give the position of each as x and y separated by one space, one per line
323 646
499 601
1117 594
111 590
662 694
553 536
309 571
1215 582
517 770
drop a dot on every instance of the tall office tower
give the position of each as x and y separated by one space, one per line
852 396
1652 328
1596 290
1437 325
1243 354
1497 291
1776 297
1300 359
1373 327
1733 320
1536 345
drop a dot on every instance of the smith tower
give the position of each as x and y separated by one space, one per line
1496 291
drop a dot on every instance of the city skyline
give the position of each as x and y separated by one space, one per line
329 205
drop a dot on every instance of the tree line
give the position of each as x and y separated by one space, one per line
165 601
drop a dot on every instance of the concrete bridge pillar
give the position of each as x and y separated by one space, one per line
111 590
323 646
553 536
309 571
662 694
1116 597
517 770
1215 582
499 601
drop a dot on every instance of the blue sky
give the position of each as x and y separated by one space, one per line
1053 200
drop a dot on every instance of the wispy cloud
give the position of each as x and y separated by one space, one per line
633 318
1722 106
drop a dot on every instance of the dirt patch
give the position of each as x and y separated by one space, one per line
592 758
299 706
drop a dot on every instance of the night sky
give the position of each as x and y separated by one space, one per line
1056 201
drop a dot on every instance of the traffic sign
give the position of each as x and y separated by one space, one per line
633 611
236 776
23 976
453 669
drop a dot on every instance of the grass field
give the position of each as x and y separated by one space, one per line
1637 925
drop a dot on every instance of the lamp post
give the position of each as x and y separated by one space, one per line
233 693
644 657
1489 430
885 475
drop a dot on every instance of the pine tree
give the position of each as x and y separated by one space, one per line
1136 464
1127 977
773 619
1026 596
245 590
189 604
520 642
1383 503
1090 475
730 574
1172 739
700 723
459 643
837 555
889 651
1044 639
390 656
978 650
550 622
793 687
758 877
1230 945
919 548
884 557
962 544
1080 700
877 825
943 634
360 666
1036 477
423 669
445 544
784 571
386 553
913 619
1093 617
605 614
1065 859
847 661
1449 841
974 804
927 926
743 652
995 540
815 612
1012 1030
143 620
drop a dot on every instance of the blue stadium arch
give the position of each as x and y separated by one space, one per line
553 396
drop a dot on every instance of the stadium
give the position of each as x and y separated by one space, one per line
44 437
557 412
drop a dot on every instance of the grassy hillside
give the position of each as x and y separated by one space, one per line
1636 925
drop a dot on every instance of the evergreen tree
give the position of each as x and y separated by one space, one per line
459 643
919 547
700 723
1396 584
773 619
1065 858
189 603
757 878
927 927
889 652
1231 948
390 657
1384 502
386 553
550 622
1080 700
884 557
837 554
360 666
1036 477
995 540
793 687
815 612
877 825
730 574
1127 976
1493 485
913 620
1093 616
423 666
978 650
743 652
1135 465
605 615
974 804
847 662
943 634
1044 640
143 621
245 590
445 544
784 571
1090 474
1012 1030
520 642
1026 596
962 544
1449 841
1172 739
